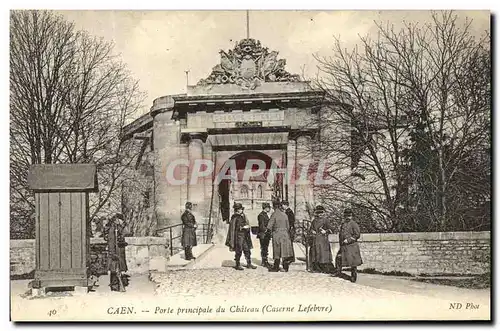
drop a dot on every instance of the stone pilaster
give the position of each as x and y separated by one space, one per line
167 150
207 156
304 186
196 185
291 172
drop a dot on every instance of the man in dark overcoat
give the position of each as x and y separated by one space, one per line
238 237
291 222
188 239
117 262
280 232
320 251
264 235
350 255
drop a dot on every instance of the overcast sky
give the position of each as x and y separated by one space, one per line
158 46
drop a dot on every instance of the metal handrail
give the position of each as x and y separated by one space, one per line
206 234
170 236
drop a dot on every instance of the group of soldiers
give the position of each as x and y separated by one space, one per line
280 228
320 252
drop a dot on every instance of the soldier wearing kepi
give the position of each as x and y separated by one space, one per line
263 235
282 245
238 237
189 226
117 263
349 254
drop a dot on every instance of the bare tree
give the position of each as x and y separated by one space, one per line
447 72
379 95
363 130
70 98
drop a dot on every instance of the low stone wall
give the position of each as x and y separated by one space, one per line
22 256
143 254
414 253
425 252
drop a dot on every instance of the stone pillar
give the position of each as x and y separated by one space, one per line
167 149
196 185
303 182
183 152
290 177
208 156
220 227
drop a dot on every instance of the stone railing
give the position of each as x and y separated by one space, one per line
425 252
143 254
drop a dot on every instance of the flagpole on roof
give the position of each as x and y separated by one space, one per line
248 24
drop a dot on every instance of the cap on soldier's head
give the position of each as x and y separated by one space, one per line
319 209
266 205
119 216
238 206
189 205
347 212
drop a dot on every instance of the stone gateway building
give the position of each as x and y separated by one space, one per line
248 108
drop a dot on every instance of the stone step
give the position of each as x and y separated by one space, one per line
177 261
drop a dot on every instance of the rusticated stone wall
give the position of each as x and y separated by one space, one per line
143 254
425 252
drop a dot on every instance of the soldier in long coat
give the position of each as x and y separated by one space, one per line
282 245
320 251
264 235
350 255
117 262
238 237
291 223
188 239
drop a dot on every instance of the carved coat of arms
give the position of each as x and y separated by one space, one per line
247 65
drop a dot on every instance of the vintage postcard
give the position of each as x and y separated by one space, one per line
250 165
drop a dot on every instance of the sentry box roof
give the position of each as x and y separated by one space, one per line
63 177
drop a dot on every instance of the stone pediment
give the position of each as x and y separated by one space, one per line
248 65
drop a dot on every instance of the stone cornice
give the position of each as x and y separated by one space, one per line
262 129
186 137
142 124
187 104
257 97
304 132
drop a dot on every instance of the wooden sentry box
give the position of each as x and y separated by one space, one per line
62 223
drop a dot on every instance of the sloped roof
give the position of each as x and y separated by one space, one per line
63 177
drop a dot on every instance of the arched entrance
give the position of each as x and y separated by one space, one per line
252 189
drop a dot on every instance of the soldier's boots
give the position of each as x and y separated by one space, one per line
250 265
315 268
189 253
238 266
335 271
354 274
275 267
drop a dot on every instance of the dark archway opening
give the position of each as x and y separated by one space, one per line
250 194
